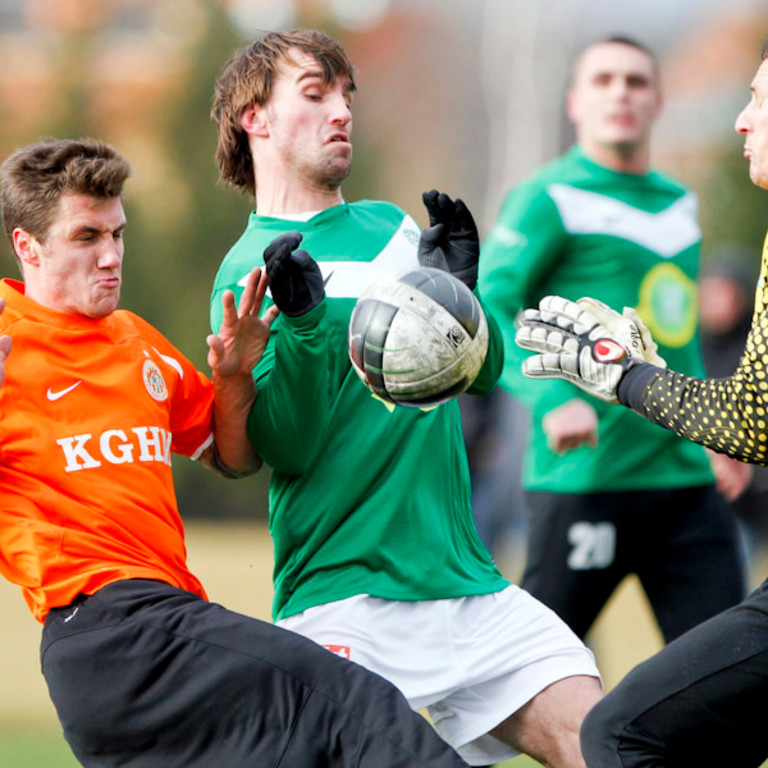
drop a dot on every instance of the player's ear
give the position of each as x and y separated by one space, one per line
659 104
25 246
572 106
253 120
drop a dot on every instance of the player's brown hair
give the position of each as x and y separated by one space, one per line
247 79
34 178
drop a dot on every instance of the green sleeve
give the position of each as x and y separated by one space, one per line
489 374
288 419
217 311
521 249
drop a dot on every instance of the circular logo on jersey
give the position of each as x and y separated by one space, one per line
668 304
153 381
608 351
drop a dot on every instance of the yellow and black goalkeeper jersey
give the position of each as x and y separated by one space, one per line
728 415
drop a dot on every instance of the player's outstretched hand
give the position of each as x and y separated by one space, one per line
295 280
243 335
5 347
451 242
574 346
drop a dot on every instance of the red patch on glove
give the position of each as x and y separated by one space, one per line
608 351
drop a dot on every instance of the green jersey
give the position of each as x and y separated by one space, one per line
579 229
365 497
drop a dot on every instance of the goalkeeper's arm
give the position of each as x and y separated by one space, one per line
727 415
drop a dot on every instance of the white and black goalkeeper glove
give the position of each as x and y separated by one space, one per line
628 327
586 343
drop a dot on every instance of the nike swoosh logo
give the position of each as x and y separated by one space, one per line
51 395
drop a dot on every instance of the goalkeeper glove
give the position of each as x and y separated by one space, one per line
451 242
577 347
295 280
628 327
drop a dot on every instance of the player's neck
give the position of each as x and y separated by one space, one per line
276 198
620 158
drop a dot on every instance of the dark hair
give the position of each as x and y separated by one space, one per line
627 40
631 42
248 79
34 178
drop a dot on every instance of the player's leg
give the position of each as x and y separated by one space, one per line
694 567
573 559
547 727
143 674
534 675
699 701
473 663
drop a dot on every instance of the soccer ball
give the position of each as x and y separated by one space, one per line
417 337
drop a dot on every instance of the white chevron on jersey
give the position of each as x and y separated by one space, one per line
667 232
348 279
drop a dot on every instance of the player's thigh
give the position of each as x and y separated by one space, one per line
146 675
474 661
138 679
699 701
698 569
547 727
574 560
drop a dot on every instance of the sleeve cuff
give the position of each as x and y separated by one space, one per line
308 319
634 385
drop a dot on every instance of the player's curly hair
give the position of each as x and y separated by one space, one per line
34 178
248 79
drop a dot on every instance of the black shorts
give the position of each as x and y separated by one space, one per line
682 543
700 701
149 676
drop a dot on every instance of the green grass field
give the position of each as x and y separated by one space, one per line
47 749
35 749
235 564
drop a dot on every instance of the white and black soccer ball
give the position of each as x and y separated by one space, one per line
418 337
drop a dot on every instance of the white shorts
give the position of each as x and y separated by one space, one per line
470 661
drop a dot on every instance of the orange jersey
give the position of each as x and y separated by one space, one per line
91 411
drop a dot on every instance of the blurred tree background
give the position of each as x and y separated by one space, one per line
461 95
465 96
140 75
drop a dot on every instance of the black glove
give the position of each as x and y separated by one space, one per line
294 277
451 242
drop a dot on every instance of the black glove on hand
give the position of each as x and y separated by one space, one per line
451 242
294 277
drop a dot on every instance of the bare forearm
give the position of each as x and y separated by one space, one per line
232 454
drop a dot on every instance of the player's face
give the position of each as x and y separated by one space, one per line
78 269
614 98
753 124
309 123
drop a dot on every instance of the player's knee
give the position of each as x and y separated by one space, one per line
598 744
612 739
